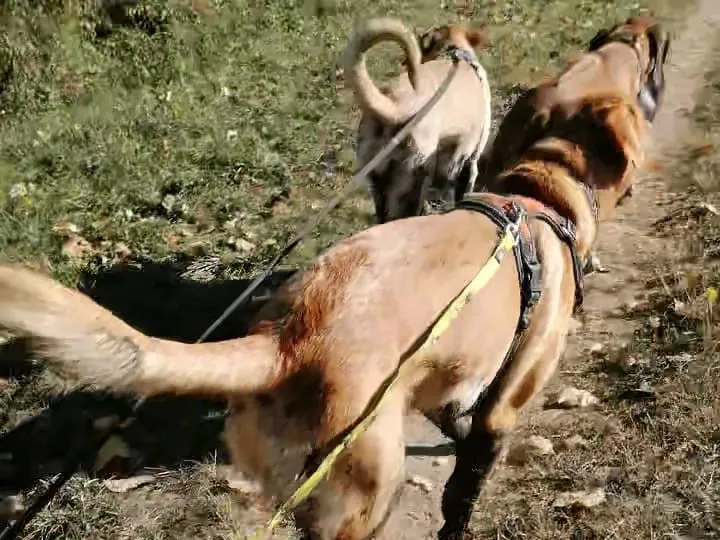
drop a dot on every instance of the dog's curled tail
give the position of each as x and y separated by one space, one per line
86 340
370 97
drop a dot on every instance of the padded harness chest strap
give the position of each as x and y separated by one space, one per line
526 260
565 231
501 209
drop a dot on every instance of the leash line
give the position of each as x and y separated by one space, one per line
354 183
15 528
426 340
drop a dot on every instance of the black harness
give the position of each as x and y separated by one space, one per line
503 210
526 259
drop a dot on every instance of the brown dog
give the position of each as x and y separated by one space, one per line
626 61
441 153
329 339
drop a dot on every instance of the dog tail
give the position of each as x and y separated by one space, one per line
370 98
85 340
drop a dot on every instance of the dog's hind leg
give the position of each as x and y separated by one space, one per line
522 377
462 169
477 453
365 482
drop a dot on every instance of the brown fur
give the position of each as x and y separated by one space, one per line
585 114
331 337
612 71
441 152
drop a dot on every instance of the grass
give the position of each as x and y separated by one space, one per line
179 129
200 134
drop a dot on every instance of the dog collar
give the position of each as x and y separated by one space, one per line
645 100
467 56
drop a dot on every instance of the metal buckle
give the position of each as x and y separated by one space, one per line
514 226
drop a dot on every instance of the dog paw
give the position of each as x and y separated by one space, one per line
594 265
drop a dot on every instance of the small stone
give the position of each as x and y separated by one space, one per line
635 306
596 349
705 208
573 398
423 484
645 389
534 446
440 461
628 362
574 443
243 245
123 485
580 499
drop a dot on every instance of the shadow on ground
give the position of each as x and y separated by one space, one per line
158 300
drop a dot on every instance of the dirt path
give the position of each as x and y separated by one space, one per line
627 248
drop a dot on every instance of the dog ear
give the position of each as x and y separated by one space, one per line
430 40
476 38
601 38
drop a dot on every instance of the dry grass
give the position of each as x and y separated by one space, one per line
653 443
163 131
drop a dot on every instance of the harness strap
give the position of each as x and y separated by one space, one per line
527 263
565 231
592 200
526 260
457 53
510 237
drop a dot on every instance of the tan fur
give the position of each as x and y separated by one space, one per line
599 79
446 143
329 338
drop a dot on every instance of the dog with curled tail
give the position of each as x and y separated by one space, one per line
438 160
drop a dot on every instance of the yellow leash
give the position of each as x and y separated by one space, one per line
428 339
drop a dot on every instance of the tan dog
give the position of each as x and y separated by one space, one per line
327 341
441 152
626 61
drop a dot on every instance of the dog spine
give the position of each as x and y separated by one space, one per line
70 330
370 98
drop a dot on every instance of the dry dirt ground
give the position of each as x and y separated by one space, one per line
643 347
518 507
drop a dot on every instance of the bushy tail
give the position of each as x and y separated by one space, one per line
84 339
370 98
